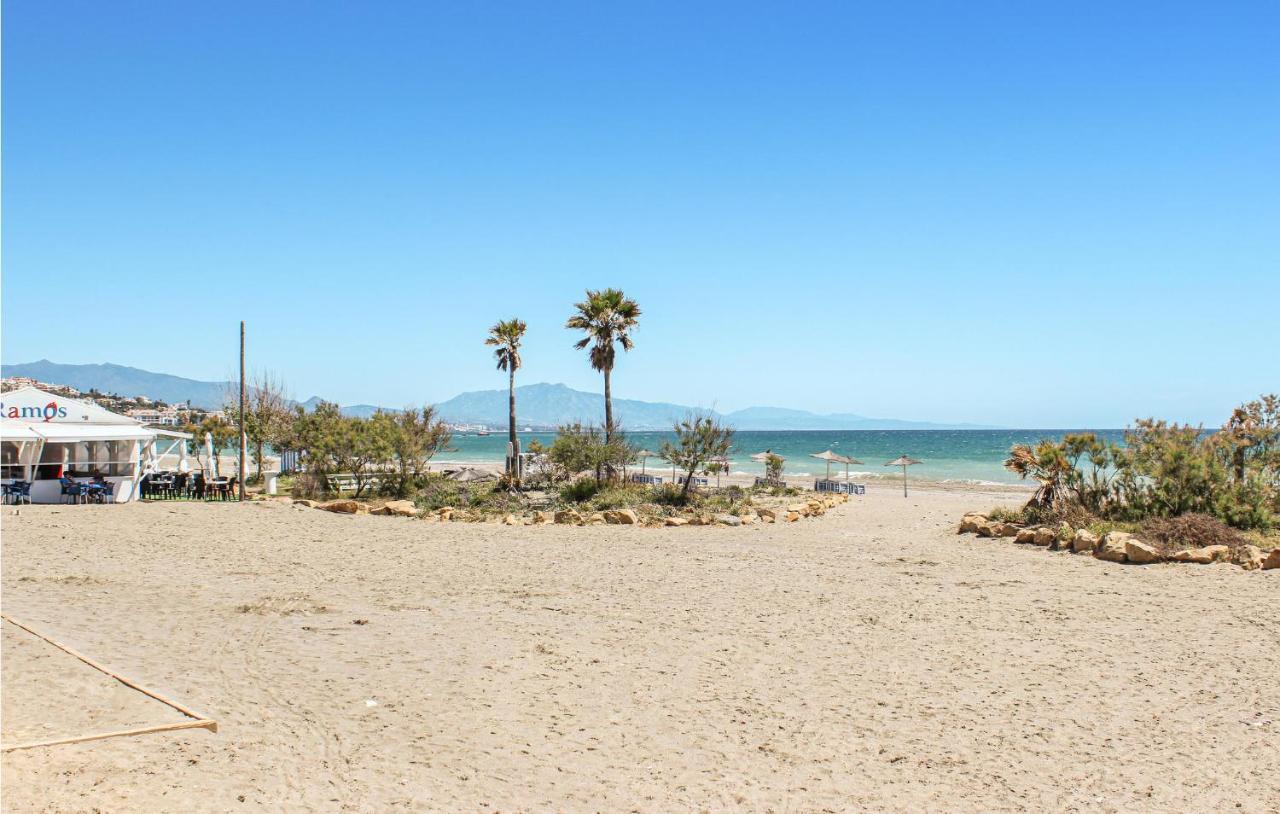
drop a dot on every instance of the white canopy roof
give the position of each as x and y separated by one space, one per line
17 431
32 405
32 414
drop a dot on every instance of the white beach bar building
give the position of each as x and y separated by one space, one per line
44 437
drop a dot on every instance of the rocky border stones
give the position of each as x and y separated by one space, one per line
1116 546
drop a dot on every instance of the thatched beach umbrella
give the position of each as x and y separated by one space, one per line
763 458
470 475
643 454
904 461
833 457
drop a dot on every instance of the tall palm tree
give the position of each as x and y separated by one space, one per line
606 317
505 337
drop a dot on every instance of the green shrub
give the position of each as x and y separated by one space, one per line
580 490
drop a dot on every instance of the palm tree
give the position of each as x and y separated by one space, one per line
606 317
505 337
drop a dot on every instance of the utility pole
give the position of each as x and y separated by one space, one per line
244 441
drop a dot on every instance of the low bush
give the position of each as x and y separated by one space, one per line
1004 514
1189 531
580 490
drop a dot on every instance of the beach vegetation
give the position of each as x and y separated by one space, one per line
700 440
388 450
585 448
607 318
1163 470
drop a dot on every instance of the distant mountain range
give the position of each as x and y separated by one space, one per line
541 406
125 381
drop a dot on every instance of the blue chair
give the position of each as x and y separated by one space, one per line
73 490
17 492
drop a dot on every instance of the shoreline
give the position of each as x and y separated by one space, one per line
796 480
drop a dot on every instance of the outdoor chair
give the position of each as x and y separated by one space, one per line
77 492
17 492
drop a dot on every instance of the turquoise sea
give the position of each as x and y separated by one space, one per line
973 456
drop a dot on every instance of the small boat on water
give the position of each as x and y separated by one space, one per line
482 433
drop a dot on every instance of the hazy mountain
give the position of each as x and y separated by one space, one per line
550 405
540 406
125 381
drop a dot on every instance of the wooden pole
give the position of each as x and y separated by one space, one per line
142 730
199 722
904 479
244 441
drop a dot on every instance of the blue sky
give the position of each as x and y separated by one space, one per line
1026 214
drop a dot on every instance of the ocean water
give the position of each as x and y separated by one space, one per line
971 456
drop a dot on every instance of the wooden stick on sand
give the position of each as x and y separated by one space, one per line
199 722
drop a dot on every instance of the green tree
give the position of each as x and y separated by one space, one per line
607 318
582 448
505 338
699 439
416 436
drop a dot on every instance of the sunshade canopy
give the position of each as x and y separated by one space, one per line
903 460
644 453
828 455
764 456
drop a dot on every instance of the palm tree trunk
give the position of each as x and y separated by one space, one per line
608 407
511 422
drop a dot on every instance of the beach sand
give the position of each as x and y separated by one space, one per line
868 660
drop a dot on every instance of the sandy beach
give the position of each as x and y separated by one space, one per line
868 660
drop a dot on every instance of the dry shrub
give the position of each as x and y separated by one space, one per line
1193 530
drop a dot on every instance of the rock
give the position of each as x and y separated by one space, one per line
398 508
728 520
1005 529
625 517
1203 556
345 507
987 529
310 504
970 522
1084 541
1026 536
676 521
510 520
768 515
1141 553
768 518
445 513
747 519
1045 536
1272 561
596 519
801 509
793 517
542 518
1249 557
567 517
1112 546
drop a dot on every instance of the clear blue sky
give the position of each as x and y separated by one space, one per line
1027 214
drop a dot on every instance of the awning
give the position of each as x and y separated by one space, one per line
15 431
172 433
67 433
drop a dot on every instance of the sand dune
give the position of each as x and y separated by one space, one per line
867 660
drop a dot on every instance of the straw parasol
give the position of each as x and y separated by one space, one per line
469 474
642 455
763 458
904 461
833 457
